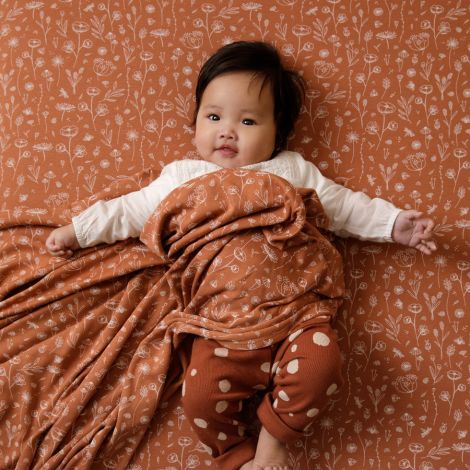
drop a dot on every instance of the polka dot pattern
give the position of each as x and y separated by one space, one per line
295 335
224 386
312 412
200 423
221 406
331 389
293 366
282 373
321 339
266 367
221 352
274 367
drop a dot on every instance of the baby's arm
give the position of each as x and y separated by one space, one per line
103 222
353 213
62 241
116 219
411 229
106 222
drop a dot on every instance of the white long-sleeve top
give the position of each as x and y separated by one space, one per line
351 213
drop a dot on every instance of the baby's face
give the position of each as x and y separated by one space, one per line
235 123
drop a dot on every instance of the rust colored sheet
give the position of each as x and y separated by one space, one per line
93 92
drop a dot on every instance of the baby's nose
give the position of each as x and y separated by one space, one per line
227 132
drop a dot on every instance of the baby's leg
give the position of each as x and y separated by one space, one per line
271 454
216 382
308 373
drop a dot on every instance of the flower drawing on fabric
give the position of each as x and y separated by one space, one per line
97 97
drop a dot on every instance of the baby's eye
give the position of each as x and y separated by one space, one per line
213 117
248 122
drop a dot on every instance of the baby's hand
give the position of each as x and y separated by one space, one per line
412 230
62 241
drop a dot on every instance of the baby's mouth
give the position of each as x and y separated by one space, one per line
227 150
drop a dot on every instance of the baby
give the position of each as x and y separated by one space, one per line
247 103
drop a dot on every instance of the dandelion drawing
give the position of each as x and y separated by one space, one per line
387 36
132 136
353 138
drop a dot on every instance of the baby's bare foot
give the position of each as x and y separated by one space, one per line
247 466
271 454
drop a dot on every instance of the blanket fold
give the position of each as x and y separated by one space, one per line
87 347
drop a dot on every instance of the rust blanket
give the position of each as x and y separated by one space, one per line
88 345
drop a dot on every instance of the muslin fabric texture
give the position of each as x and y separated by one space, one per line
93 94
245 264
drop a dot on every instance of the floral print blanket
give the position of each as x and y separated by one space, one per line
92 345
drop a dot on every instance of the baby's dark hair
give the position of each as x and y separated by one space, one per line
287 86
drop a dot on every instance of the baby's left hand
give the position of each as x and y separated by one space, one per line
412 230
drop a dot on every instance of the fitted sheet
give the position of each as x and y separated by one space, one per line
96 93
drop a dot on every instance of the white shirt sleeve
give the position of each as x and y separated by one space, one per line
351 213
124 216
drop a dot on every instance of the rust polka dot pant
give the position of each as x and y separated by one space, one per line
299 375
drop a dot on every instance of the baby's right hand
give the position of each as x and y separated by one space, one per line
62 241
